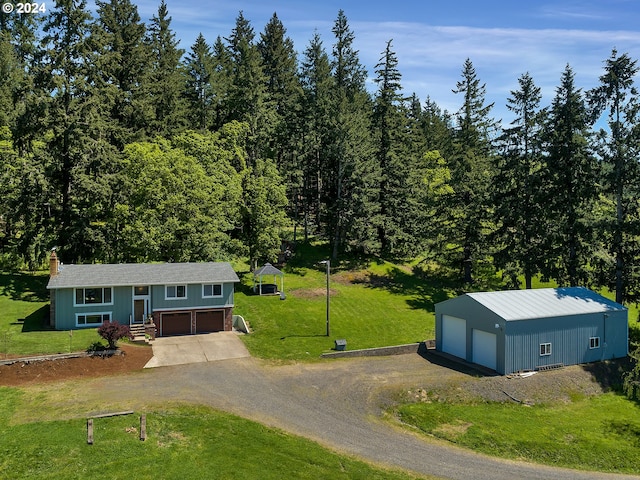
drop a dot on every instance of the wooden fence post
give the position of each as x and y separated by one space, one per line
143 427
90 431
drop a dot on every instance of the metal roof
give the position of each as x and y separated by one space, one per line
545 302
133 274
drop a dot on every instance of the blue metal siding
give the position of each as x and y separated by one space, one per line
194 298
478 317
569 337
65 312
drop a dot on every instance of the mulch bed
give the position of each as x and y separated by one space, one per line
134 357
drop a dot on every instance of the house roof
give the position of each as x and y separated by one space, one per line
545 302
132 274
267 269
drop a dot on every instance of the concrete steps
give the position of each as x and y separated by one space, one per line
137 330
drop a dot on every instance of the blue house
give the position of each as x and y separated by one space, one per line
517 330
182 298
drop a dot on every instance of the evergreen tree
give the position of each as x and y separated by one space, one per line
401 213
247 101
9 78
572 189
165 82
317 86
221 81
122 64
618 150
518 187
69 122
283 91
199 90
471 165
351 174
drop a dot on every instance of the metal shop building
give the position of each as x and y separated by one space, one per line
521 330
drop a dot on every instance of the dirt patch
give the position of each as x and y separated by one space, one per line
134 358
362 278
313 292
553 386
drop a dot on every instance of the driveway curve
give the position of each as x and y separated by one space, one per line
339 404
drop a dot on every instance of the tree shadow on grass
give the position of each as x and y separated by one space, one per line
425 292
609 373
24 287
309 255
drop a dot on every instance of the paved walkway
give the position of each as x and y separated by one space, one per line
201 348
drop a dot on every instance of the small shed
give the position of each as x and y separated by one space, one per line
520 330
268 270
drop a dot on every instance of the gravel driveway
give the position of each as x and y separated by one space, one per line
337 403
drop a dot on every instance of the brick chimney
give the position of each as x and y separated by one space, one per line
54 268
54 264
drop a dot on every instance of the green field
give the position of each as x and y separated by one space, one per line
183 442
597 433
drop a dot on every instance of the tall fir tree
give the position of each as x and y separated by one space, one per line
199 90
518 188
165 79
472 168
618 96
572 190
401 213
122 65
221 81
351 173
74 147
283 90
317 86
247 100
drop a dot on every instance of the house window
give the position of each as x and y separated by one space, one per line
212 290
545 349
140 291
92 318
93 296
174 292
594 342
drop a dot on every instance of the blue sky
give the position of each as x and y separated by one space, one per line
432 39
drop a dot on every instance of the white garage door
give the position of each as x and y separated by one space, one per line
454 336
484 348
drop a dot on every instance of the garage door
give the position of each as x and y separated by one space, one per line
454 336
484 348
210 321
175 323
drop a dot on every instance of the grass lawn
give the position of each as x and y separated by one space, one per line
372 304
596 433
183 442
24 303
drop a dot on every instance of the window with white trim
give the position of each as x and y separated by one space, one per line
545 349
175 292
594 342
212 290
83 319
94 296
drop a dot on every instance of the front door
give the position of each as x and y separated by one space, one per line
140 303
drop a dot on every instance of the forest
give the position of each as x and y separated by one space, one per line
116 145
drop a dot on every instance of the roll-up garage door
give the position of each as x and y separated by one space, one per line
484 348
454 336
210 321
175 323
